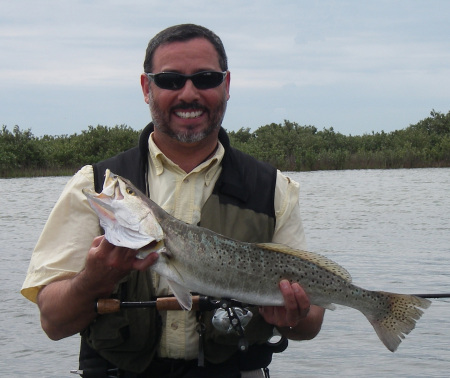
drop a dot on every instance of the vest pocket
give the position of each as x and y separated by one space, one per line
108 332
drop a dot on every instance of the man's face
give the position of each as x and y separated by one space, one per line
187 114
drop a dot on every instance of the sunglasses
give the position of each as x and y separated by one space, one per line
174 81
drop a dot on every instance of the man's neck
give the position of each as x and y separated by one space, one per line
186 155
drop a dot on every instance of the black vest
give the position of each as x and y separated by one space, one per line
241 206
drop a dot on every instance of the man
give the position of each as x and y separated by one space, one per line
185 164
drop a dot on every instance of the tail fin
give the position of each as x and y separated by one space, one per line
397 319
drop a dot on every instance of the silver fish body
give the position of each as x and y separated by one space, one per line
195 259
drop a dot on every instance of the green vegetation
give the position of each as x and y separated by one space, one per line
288 146
291 147
22 154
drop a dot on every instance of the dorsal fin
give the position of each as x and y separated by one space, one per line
315 258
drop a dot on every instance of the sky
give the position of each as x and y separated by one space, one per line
357 66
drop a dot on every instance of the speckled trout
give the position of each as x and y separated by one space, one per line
195 259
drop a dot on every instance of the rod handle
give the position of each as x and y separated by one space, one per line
107 306
110 305
171 304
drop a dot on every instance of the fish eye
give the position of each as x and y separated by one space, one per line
130 191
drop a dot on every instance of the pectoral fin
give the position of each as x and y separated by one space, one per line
182 294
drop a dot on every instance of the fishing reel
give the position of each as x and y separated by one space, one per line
228 318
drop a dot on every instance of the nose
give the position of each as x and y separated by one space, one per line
189 92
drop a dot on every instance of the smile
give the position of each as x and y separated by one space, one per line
188 115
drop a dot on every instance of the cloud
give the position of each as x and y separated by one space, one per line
339 63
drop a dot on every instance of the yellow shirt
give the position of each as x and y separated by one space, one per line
72 225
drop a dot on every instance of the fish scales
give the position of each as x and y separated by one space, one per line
253 273
194 259
249 270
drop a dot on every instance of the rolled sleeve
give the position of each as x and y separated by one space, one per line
289 226
66 238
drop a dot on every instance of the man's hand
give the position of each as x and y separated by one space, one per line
107 264
297 319
68 306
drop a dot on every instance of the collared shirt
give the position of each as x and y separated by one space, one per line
65 241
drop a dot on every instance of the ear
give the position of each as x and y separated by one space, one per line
145 85
227 84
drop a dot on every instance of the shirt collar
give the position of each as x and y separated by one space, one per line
160 161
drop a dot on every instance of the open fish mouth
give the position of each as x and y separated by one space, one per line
125 222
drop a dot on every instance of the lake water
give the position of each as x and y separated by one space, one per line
389 228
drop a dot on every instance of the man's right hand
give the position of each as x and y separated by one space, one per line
107 264
68 306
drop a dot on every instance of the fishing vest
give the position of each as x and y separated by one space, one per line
241 206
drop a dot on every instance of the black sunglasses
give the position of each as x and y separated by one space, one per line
174 81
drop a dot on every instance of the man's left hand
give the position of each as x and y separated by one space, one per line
297 319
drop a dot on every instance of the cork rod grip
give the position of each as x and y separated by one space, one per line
109 306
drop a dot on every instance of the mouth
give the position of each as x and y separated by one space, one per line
189 114
189 111
100 203
153 246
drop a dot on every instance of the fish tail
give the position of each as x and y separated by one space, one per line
395 317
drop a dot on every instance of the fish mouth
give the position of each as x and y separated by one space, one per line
102 201
122 227
153 246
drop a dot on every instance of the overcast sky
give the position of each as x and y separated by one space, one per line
357 66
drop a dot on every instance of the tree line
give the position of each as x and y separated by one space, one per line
291 147
288 146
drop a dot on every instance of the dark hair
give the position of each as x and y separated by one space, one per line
183 33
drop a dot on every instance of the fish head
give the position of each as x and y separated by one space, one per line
127 219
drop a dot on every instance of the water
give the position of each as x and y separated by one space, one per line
390 229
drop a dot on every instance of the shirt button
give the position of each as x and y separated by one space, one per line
174 326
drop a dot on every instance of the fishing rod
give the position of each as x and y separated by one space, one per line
199 303
433 296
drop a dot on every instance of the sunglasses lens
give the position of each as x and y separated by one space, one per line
175 81
207 80
168 80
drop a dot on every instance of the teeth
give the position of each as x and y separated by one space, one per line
189 114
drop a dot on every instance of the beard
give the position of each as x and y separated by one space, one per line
161 120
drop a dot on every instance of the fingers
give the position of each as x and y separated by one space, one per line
296 306
106 264
149 260
104 257
295 300
97 240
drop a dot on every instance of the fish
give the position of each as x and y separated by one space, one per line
195 259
